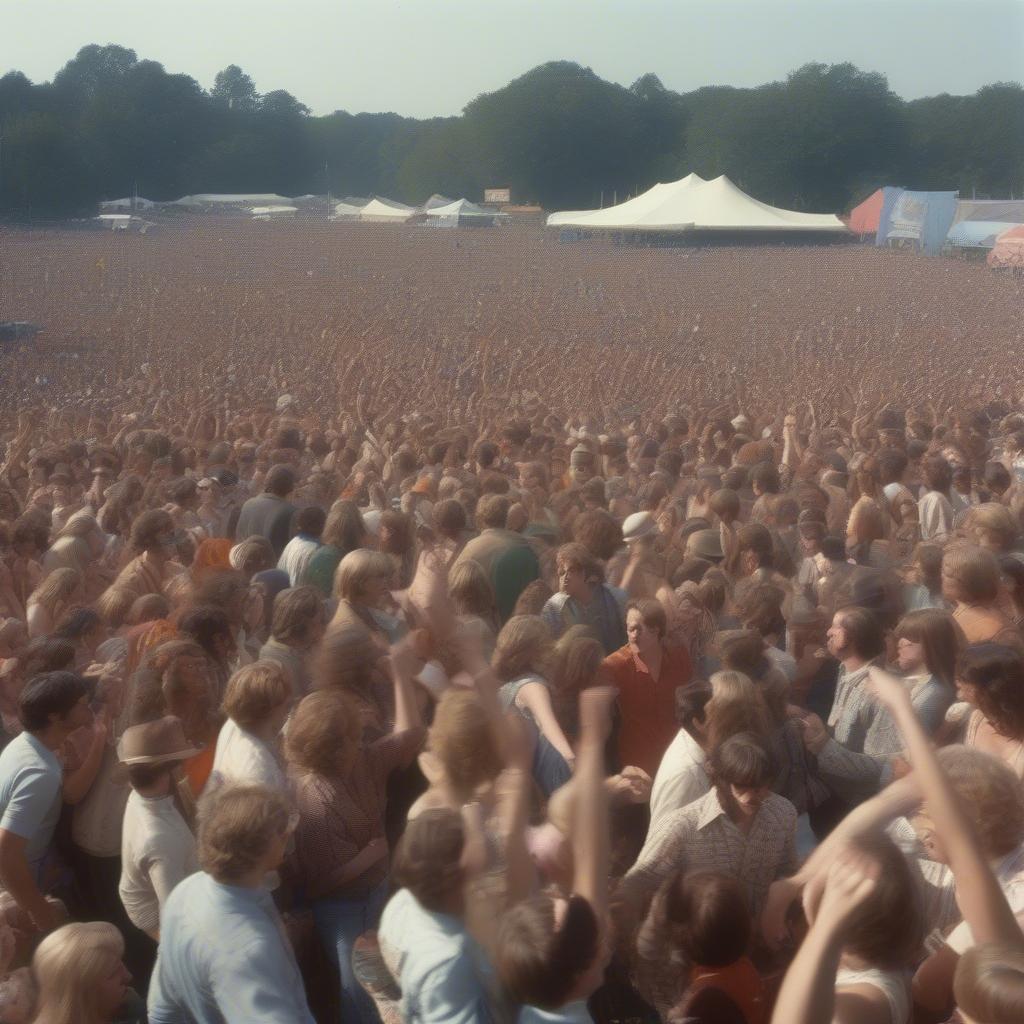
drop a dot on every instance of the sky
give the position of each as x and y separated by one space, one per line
427 58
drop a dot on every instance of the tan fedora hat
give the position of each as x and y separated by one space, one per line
155 743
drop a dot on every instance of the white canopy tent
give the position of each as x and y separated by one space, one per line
384 210
345 211
463 212
127 203
232 199
693 204
626 214
274 212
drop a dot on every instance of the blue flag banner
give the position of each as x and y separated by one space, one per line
923 218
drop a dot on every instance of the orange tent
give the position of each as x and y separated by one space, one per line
1009 249
864 218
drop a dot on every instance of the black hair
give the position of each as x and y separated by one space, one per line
49 694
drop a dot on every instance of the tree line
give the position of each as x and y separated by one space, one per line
109 125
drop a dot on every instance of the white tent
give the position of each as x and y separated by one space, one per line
383 210
345 211
128 203
273 212
626 214
231 199
693 204
463 212
436 201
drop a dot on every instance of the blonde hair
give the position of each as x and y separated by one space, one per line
324 725
236 827
58 586
736 706
471 590
989 983
114 604
523 645
255 691
463 739
995 520
66 968
356 569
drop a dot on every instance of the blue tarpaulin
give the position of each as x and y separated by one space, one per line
920 217
977 234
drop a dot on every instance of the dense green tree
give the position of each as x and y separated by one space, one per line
821 139
234 89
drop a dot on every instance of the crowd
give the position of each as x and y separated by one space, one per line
476 702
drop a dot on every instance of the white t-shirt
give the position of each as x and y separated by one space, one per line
1010 875
157 852
242 758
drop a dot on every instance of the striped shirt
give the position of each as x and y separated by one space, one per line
702 837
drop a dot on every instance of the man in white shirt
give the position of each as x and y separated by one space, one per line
158 849
681 776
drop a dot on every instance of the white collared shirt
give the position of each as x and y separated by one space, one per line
680 778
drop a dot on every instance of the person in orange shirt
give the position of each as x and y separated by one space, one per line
647 673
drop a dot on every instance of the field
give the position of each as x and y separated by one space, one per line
462 323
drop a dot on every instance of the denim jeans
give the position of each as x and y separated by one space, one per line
339 922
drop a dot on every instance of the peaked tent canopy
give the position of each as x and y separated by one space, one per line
625 213
386 210
435 202
462 211
348 208
693 204
1009 249
127 203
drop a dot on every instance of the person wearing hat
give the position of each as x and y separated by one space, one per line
706 544
582 464
158 848
642 568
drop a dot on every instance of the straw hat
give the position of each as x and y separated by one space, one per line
158 742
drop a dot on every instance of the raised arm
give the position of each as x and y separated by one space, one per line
980 898
404 665
808 992
591 839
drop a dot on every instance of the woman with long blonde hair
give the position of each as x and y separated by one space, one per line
80 975
48 603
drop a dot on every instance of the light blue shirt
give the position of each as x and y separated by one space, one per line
441 971
30 793
224 959
573 1013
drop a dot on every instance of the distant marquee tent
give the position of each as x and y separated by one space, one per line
386 211
695 205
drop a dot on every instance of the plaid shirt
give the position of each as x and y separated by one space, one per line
701 837
865 736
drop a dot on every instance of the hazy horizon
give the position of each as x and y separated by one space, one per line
430 59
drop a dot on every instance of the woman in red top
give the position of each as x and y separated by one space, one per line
647 673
